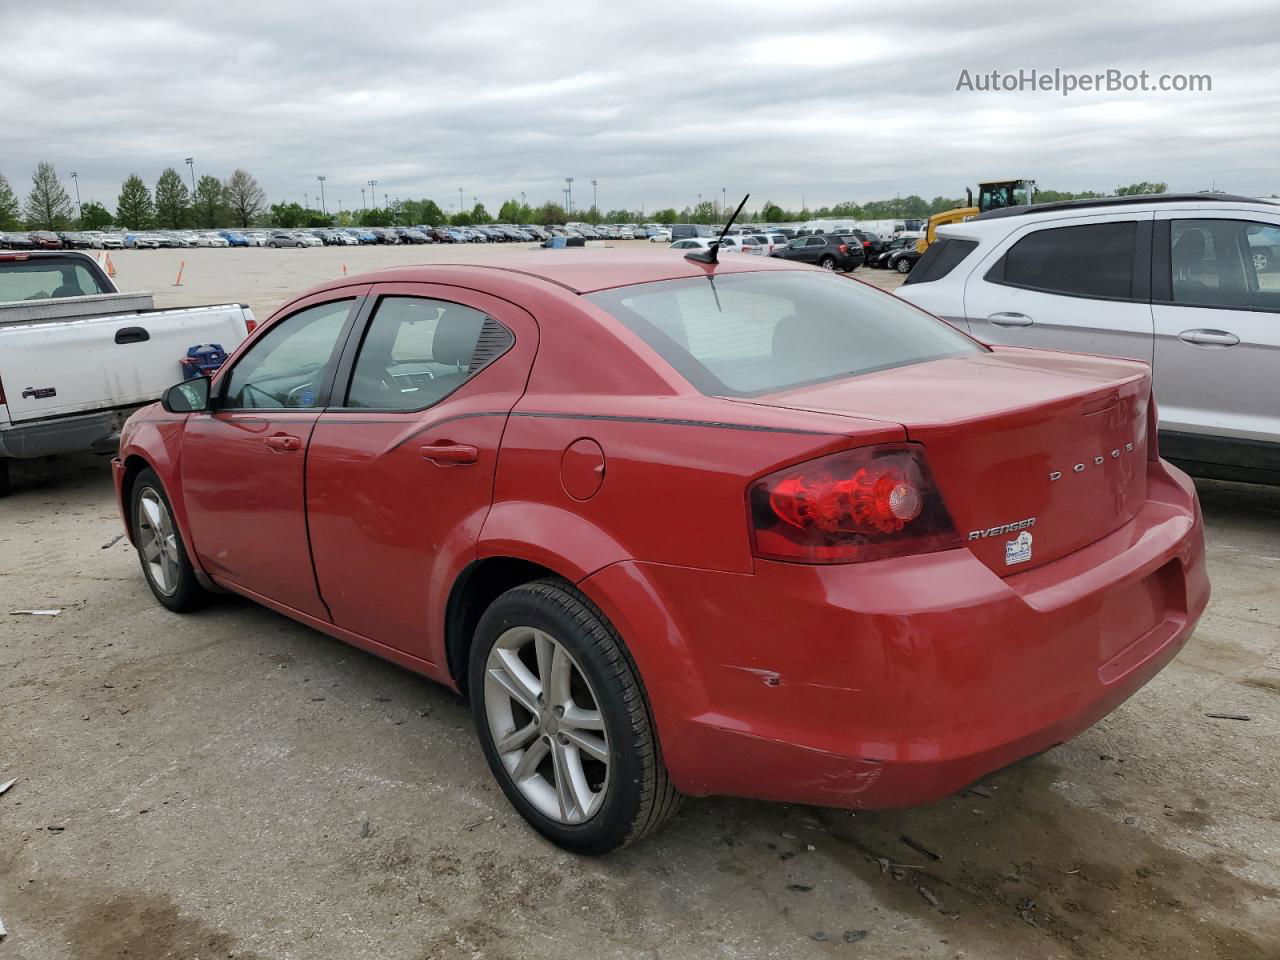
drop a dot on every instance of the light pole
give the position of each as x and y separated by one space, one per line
191 165
723 206
373 194
322 209
362 203
569 193
594 203
459 200
79 210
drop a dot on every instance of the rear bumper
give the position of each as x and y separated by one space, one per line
97 432
898 682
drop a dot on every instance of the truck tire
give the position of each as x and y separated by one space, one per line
5 487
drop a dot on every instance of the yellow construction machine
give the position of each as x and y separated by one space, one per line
992 195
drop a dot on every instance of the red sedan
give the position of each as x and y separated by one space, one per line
677 528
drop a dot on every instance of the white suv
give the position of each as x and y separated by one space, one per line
1187 283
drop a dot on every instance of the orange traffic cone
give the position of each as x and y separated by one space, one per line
111 267
182 266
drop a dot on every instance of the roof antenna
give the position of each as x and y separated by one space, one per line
711 255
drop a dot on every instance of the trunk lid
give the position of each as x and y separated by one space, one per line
1037 453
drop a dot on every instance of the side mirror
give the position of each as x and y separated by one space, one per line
189 396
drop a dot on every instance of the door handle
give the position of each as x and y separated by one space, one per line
445 453
1010 319
132 335
283 443
1209 338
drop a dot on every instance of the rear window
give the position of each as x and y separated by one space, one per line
941 258
1088 260
44 278
754 333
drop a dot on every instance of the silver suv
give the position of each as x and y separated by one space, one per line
1188 283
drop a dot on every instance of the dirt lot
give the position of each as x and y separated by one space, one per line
232 784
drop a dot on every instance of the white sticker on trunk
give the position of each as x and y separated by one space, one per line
1018 550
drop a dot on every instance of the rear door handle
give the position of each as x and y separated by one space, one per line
1209 338
445 453
1010 319
283 443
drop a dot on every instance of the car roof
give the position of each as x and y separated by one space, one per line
589 271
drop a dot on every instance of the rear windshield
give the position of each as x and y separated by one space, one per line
747 334
41 279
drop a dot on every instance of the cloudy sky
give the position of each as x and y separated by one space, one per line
659 101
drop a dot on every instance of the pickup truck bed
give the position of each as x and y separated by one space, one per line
72 368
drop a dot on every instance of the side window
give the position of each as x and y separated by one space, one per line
418 351
816 242
943 256
1092 260
286 367
1223 263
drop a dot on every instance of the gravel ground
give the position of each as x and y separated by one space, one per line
232 784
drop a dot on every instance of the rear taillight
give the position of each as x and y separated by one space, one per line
866 504
2 400
866 243
250 321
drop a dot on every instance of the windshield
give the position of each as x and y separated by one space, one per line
747 334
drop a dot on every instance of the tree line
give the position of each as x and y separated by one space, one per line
239 201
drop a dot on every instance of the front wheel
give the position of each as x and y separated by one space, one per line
160 549
564 720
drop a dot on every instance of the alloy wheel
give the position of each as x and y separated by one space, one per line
159 542
546 725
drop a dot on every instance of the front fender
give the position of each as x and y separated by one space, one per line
154 438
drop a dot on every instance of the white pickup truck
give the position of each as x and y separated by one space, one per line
77 356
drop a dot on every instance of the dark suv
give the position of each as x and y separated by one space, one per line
831 251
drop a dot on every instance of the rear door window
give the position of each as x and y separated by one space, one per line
1090 260
1223 263
45 277
417 351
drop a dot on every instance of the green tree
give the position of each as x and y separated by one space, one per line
462 219
373 217
288 214
134 208
244 198
209 205
1138 189
668 215
432 214
48 206
94 216
173 200
550 213
9 209
773 213
513 211
704 212
480 215
621 216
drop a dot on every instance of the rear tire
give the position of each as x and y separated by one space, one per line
827 263
903 265
6 486
581 763
161 553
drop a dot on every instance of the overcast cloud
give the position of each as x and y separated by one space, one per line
659 101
